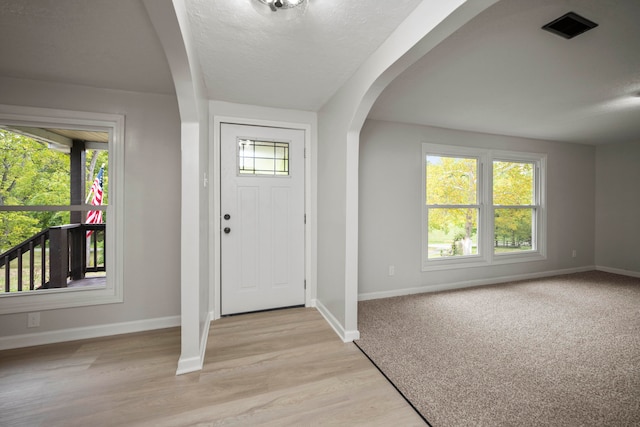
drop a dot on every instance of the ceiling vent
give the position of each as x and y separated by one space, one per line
569 25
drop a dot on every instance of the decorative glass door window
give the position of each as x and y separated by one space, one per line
263 157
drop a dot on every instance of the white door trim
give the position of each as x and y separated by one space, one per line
214 201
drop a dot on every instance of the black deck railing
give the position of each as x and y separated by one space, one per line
63 257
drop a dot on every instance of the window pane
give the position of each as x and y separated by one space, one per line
27 236
32 173
46 247
451 180
513 183
263 157
513 230
452 232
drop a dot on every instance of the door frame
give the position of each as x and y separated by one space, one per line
215 193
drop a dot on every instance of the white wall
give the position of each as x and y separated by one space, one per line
169 18
391 197
151 214
339 124
618 207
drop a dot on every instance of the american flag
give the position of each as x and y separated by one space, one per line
95 217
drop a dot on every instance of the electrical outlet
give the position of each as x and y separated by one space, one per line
33 320
392 270
573 253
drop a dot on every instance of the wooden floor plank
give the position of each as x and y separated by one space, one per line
278 368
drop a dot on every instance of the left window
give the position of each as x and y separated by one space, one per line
60 208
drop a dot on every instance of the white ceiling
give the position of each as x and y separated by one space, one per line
258 58
499 74
502 74
98 43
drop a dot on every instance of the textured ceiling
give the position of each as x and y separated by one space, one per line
98 43
502 74
259 58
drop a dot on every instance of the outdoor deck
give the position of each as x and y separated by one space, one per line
88 281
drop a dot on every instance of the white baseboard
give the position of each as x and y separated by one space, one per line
350 336
345 336
189 364
72 334
468 283
618 271
192 364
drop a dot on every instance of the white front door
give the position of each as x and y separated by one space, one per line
262 206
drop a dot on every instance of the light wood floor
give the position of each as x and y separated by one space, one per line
280 368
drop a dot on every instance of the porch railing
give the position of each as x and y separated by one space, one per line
70 256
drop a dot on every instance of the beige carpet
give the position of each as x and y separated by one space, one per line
560 351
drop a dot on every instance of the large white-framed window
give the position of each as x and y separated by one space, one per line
481 207
31 119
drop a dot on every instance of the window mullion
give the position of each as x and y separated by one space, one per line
453 206
53 208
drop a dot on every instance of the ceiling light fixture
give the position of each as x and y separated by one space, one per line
276 5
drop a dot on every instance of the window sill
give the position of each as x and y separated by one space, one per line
521 257
50 299
481 262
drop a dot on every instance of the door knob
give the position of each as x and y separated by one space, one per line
227 230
